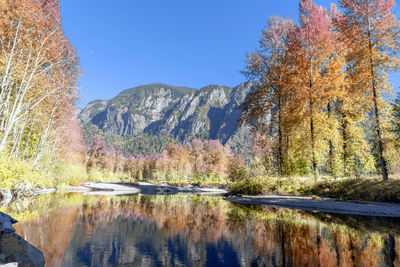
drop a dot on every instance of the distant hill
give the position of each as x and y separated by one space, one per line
143 119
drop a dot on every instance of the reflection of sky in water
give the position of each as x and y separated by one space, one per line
76 230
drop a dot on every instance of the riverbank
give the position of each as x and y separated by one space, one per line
363 189
293 202
271 197
323 204
22 191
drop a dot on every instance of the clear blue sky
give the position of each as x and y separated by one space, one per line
194 43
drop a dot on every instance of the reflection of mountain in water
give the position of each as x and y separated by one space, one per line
141 243
197 231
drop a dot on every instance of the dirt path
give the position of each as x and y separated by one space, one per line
324 205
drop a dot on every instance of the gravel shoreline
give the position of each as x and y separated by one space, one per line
327 205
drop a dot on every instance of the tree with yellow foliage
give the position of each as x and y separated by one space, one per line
374 49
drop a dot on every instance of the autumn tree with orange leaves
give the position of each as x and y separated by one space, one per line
318 84
269 65
375 48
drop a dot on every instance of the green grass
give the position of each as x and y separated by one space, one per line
358 189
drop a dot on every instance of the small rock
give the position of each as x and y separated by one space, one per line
5 196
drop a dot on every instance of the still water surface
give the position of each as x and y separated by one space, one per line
187 230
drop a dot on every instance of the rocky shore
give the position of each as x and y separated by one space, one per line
21 190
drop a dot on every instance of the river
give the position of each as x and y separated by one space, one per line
76 230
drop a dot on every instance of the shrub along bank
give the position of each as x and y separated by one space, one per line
357 189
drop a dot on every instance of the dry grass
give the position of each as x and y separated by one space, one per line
357 189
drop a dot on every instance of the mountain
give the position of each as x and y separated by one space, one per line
162 113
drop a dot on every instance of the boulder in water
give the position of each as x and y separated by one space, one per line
18 250
6 223
14 249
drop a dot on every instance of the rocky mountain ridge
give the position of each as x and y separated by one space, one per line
163 110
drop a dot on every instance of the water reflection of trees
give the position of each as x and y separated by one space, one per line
317 239
173 230
49 223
